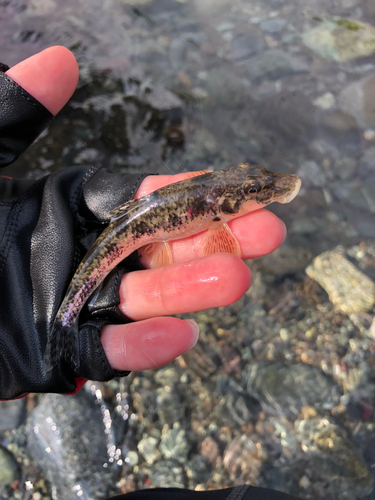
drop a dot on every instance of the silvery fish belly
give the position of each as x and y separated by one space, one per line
207 201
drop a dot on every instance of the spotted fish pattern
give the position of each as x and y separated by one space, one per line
203 202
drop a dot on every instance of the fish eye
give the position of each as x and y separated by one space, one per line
252 188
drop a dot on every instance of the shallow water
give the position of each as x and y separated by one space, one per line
280 389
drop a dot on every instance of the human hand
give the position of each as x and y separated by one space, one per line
193 283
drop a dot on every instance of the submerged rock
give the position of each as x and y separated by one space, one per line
236 406
210 450
273 26
274 64
8 467
243 459
358 100
336 459
289 114
198 470
174 443
72 440
341 39
244 46
13 413
169 406
168 474
349 289
285 388
148 447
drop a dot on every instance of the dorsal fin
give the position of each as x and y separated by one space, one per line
122 210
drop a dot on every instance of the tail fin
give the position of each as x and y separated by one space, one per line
62 346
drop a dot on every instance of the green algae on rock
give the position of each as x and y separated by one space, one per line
341 39
349 289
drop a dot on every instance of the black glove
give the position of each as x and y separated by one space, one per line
46 228
242 492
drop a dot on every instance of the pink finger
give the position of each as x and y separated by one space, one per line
214 281
50 76
148 344
258 233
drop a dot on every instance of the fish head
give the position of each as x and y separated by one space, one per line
253 187
265 186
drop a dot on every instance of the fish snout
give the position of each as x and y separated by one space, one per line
292 191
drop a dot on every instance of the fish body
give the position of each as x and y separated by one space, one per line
185 208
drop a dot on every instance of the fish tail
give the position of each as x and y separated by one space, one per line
62 346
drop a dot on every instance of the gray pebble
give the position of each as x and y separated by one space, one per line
245 45
71 439
12 414
284 388
8 467
273 26
174 444
168 474
274 64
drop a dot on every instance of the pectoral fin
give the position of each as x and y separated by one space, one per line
157 254
221 239
190 175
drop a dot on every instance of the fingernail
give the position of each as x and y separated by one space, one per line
284 231
195 330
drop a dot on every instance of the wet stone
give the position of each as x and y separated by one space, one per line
243 459
285 388
12 414
72 440
168 474
237 409
174 443
210 450
225 87
168 376
273 26
325 101
354 194
367 165
311 174
341 39
286 259
244 46
336 459
135 3
8 467
275 4
235 406
198 470
163 99
339 121
371 330
202 361
349 289
148 447
274 64
169 406
358 100
290 115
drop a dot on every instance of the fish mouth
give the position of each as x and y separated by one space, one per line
293 193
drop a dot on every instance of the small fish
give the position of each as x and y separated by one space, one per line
205 201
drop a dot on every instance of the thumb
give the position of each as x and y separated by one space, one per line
50 76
